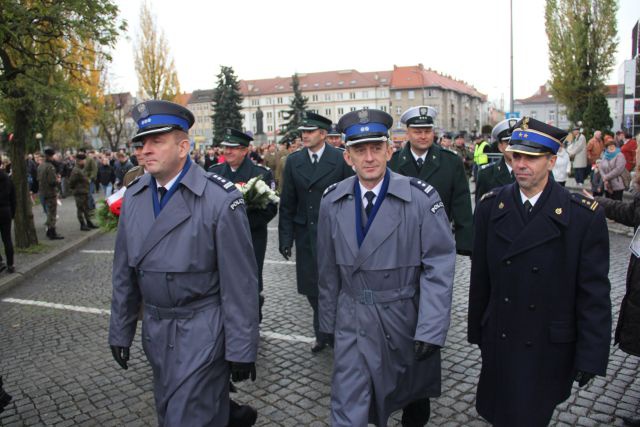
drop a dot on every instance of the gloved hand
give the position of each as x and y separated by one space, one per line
583 378
285 251
423 350
241 371
121 355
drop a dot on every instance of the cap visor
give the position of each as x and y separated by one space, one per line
308 127
142 134
229 144
421 125
363 140
525 149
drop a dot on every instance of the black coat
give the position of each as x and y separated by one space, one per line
445 171
539 305
628 329
106 174
7 197
302 190
492 176
258 218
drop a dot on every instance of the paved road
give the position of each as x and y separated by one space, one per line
56 362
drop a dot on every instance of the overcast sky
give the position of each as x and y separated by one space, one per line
467 39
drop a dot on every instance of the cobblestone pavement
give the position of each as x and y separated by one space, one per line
57 365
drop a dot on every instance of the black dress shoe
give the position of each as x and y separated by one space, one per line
241 415
318 347
11 269
630 421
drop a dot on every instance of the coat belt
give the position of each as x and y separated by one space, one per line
369 297
183 312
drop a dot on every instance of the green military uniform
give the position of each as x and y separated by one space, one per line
443 170
466 156
132 174
79 185
492 176
48 184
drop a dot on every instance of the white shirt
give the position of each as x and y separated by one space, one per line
376 191
532 200
169 184
423 157
317 153
509 168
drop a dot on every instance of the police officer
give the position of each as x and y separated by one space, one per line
441 168
48 180
79 185
137 170
386 259
183 249
499 173
307 173
539 305
238 167
334 137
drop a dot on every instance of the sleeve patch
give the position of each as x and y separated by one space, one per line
436 206
237 202
222 182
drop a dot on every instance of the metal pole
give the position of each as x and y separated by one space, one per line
511 39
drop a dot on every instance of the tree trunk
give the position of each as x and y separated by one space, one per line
25 229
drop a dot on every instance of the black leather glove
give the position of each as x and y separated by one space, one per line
423 350
241 371
583 378
121 355
285 251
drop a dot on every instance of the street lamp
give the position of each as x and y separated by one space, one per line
39 139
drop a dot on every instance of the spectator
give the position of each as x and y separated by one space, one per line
121 167
612 166
65 173
210 159
595 147
562 166
597 184
32 173
106 176
577 151
7 213
628 149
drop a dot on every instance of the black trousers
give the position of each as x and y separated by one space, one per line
320 336
416 413
5 233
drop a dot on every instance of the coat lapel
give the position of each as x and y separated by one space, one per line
326 164
243 174
432 163
304 167
347 224
407 166
503 177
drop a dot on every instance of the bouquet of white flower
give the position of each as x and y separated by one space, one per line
257 194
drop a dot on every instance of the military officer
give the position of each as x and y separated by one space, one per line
48 180
137 170
307 173
539 305
79 185
386 259
334 137
439 167
183 250
499 173
238 167
460 147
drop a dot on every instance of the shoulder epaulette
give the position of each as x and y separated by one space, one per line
263 166
483 167
227 185
135 181
585 202
448 150
423 186
488 195
330 188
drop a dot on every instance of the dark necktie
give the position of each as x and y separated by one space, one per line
161 192
314 162
369 195
420 162
528 207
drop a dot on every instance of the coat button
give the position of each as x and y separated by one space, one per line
535 269
386 275
311 222
310 191
169 276
508 262
506 300
503 336
388 336
171 346
141 273
532 307
362 333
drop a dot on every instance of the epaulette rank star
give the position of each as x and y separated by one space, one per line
488 195
585 202
227 185
426 188
329 189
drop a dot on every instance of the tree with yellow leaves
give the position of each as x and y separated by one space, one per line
157 75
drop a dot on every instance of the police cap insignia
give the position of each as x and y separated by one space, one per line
525 123
423 111
228 131
142 109
363 116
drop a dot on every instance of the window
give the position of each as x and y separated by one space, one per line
255 102
398 110
340 95
269 101
398 95
365 94
453 123
314 97
340 111
428 93
412 94
352 109
280 114
279 100
269 115
327 97
327 112
453 109
253 116
352 95
383 108
269 128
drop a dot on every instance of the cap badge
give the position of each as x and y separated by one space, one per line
363 116
525 123
501 205
228 131
423 111
142 109
559 211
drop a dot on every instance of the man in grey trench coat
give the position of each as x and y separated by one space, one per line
183 250
386 258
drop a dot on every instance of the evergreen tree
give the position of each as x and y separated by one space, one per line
227 104
582 44
297 107
597 115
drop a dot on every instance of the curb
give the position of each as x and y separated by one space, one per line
29 270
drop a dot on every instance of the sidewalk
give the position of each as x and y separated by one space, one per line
31 261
